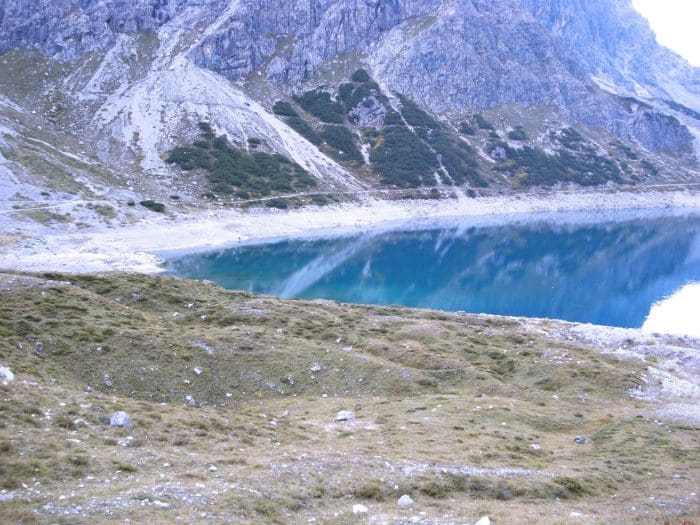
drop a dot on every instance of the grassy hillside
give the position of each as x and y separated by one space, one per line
234 397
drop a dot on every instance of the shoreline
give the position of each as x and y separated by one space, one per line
139 247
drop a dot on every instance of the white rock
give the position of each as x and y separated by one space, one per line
120 419
345 415
483 521
6 374
197 370
315 368
359 509
212 468
190 400
406 501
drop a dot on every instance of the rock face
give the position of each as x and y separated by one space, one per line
586 62
68 28
291 39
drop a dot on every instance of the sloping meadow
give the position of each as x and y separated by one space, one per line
234 397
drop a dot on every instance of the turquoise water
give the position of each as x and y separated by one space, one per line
607 273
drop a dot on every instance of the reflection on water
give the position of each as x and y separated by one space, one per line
678 314
607 273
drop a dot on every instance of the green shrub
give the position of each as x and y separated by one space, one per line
206 130
284 109
467 129
343 143
482 123
517 134
353 94
278 203
649 167
626 150
188 157
403 159
537 168
415 116
393 118
233 171
319 104
360 76
458 157
299 125
571 139
153 205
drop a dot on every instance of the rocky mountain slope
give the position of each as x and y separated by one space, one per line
94 96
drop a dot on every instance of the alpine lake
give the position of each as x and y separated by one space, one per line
622 270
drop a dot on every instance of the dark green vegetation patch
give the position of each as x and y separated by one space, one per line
234 171
411 149
342 141
535 167
153 205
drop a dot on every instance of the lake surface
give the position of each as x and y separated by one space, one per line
611 272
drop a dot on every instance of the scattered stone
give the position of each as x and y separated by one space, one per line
212 468
345 415
190 400
197 370
359 509
580 440
6 374
161 504
407 501
135 296
315 368
120 419
484 520
204 346
107 380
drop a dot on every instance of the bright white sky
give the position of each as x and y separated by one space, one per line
676 23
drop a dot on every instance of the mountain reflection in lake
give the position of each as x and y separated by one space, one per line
607 273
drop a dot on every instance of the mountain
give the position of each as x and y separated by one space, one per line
489 96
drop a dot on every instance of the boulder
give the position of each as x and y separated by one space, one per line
120 419
345 415
405 501
6 374
484 520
